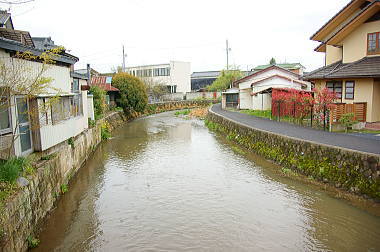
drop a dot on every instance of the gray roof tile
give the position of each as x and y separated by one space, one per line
366 67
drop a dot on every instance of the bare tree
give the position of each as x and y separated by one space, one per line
156 89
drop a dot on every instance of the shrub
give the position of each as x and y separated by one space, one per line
48 157
64 188
11 169
347 120
133 94
91 123
70 142
32 242
99 101
105 131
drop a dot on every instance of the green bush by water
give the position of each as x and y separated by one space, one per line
182 112
11 169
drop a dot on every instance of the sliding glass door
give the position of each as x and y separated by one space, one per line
23 124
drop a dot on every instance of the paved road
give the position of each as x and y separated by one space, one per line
353 142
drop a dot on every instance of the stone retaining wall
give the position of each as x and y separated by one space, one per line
167 106
354 171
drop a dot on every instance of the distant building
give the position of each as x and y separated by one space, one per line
175 75
97 79
200 80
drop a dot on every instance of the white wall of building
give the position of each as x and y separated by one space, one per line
180 75
53 134
90 107
245 98
60 75
261 102
275 82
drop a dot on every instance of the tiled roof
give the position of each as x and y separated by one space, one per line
206 74
288 66
103 82
44 43
20 36
257 72
367 67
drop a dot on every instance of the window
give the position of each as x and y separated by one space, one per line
67 107
373 46
350 90
75 86
5 116
335 86
161 71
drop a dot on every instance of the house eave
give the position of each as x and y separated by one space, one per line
343 14
15 46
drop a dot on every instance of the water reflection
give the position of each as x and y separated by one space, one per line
165 183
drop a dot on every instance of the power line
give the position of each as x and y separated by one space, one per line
17 2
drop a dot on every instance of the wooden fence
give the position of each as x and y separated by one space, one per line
359 110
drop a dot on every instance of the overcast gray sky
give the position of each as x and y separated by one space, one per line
156 31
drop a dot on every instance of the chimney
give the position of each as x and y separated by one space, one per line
89 75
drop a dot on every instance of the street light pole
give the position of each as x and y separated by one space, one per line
228 49
123 60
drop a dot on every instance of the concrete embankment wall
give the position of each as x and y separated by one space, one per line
353 171
24 213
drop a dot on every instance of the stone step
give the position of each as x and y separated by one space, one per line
373 126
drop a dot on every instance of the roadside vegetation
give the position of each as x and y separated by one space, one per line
258 113
225 80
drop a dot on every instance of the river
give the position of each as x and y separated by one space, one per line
164 183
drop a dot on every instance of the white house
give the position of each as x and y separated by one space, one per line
37 123
175 75
254 89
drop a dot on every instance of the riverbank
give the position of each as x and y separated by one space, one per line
24 212
352 171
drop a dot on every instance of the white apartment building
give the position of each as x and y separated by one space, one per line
175 75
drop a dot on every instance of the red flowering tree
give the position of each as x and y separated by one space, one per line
324 103
292 103
305 102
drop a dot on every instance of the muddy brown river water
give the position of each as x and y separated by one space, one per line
164 183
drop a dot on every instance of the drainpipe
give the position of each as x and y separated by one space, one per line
88 75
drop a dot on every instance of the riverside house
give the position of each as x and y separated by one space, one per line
351 43
255 90
44 128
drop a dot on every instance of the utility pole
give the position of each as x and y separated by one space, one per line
228 49
123 61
